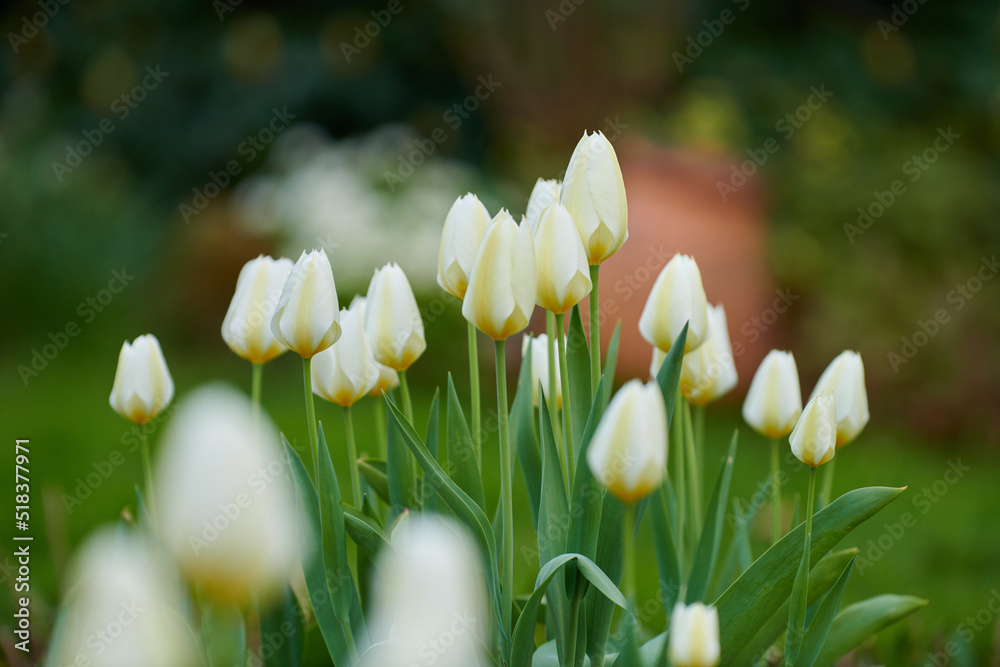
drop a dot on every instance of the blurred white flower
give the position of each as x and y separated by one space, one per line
709 372
540 367
143 386
694 636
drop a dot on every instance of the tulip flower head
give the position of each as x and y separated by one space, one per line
502 287
594 193
774 400
464 227
226 509
346 371
544 194
307 319
387 377
561 271
143 386
628 453
392 320
845 379
814 438
247 327
694 636
540 367
709 371
677 297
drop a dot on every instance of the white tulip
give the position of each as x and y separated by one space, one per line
387 377
226 510
656 361
540 367
124 608
814 438
774 400
677 297
544 194
463 230
845 379
392 320
247 327
594 192
346 371
307 319
694 636
428 598
501 291
628 452
709 372
561 270
143 386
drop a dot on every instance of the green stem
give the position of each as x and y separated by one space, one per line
797 605
506 493
404 389
311 416
628 526
594 305
567 411
574 621
775 490
699 443
255 383
553 403
679 482
827 488
380 426
352 454
694 489
352 649
147 473
474 393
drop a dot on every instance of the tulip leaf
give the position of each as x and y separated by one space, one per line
611 558
711 534
757 594
374 473
669 375
522 429
282 620
611 362
665 546
859 621
398 471
431 439
587 493
224 635
365 532
462 465
822 621
578 369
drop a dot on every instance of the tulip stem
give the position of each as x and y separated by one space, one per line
404 389
800 590
567 412
827 488
553 402
147 472
699 442
474 391
628 528
380 426
693 469
352 454
677 436
776 490
506 483
255 383
593 304
574 622
311 415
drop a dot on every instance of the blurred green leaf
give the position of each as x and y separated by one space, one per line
861 620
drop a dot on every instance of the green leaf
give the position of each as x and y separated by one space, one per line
757 594
522 429
587 493
611 362
373 470
398 471
365 532
224 634
822 621
610 558
578 369
863 619
666 548
275 621
669 375
711 534
433 424
462 465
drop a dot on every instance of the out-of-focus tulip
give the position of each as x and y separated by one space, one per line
226 510
387 377
501 291
124 609
143 385
694 636
774 400
392 319
677 297
428 599
845 379
307 319
655 363
561 270
594 192
540 367
463 231
814 438
710 371
345 372
628 453
247 327
544 194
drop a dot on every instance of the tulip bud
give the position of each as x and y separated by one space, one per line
710 371
463 231
845 379
345 372
226 510
392 319
814 438
143 385
501 291
306 320
694 636
124 607
540 367
774 400
387 377
594 192
628 452
247 327
428 597
561 271
677 298
544 194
